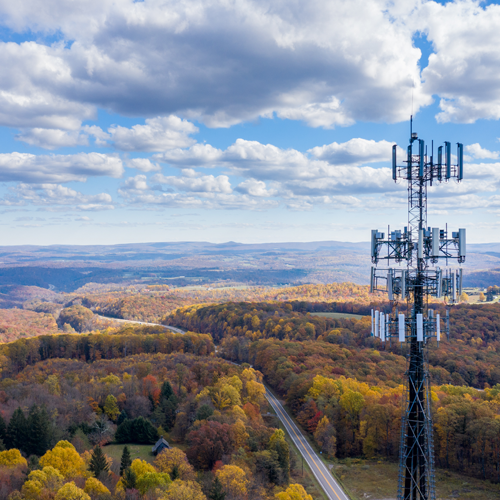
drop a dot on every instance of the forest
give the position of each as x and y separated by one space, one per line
345 387
80 394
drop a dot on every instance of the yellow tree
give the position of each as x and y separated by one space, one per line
175 463
70 491
233 480
65 459
239 434
151 481
141 467
256 392
184 490
12 458
293 492
47 478
95 488
111 407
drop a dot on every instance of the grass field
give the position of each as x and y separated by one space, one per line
142 451
338 315
379 481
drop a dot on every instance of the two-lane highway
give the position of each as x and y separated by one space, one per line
332 489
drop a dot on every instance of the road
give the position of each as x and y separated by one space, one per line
119 320
332 489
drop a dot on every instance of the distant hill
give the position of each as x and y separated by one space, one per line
64 268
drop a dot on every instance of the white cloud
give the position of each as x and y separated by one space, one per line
202 184
137 183
143 164
52 138
328 63
30 168
355 151
31 92
464 69
197 155
476 151
158 134
254 187
49 195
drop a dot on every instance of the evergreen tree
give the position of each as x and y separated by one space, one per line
175 473
166 391
38 431
3 429
216 492
124 432
143 431
123 416
98 462
2 445
16 431
129 479
126 461
168 408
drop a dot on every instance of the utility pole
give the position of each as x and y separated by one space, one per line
419 247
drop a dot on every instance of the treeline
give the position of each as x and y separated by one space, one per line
95 346
262 320
471 358
350 401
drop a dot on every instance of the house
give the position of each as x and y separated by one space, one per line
160 445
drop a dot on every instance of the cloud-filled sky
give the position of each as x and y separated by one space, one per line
243 120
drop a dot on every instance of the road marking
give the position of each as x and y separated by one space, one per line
286 418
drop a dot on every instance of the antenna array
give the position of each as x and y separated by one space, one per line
421 248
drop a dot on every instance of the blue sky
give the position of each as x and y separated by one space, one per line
240 120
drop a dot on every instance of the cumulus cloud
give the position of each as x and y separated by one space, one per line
52 138
157 134
30 168
49 195
327 63
464 69
201 184
254 187
354 152
143 164
476 151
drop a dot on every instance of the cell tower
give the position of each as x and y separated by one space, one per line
421 248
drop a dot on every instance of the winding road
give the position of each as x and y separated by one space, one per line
330 486
119 320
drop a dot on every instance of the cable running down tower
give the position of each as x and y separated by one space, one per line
421 248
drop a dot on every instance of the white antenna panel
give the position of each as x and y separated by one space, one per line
420 327
401 325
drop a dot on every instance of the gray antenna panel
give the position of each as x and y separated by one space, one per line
447 146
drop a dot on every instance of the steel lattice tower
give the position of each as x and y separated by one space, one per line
420 247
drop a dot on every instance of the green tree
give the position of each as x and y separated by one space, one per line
3 430
38 431
216 491
151 481
204 412
278 444
123 416
126 460
167 392
17 430
98 463
129 479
